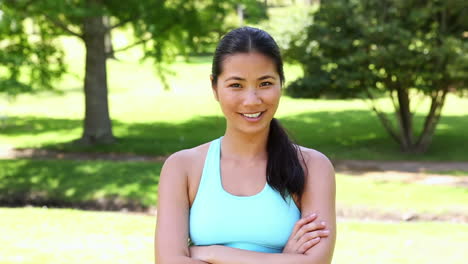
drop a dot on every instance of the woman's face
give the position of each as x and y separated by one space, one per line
248 90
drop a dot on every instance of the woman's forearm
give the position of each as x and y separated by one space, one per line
228 255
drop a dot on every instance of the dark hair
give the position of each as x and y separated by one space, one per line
284 171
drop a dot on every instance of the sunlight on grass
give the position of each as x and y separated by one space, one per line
353 191
403 243
70 236
42 236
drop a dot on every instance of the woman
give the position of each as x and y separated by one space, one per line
250 196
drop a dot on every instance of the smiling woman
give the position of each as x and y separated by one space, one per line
244 95
252 195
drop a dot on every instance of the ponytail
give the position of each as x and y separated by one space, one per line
284 170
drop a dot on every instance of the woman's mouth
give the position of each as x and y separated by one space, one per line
252 117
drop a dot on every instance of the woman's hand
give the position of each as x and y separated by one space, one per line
306 234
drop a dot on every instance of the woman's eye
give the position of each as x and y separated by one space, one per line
235 85
266 83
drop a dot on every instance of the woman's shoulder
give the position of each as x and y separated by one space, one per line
315 160
189 156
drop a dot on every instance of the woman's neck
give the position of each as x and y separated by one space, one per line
245 147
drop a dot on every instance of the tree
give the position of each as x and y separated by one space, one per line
397 48
31 60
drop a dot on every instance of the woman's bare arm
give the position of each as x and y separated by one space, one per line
320 197
171 237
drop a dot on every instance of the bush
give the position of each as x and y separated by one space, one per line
306 88
318 87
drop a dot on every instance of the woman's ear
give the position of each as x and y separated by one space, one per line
214 87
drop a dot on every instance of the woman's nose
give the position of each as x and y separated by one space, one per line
252 98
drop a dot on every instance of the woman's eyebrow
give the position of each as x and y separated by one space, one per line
266 77
242 79
234 78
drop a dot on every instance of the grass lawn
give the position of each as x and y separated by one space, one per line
70 236
71 182
451 172
382 243
42 236
381 196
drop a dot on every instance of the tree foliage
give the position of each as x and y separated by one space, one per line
31 59
398 48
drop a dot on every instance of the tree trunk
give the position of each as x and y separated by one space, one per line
405 120
108 39
432 120
97 124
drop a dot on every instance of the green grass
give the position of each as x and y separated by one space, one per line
373 242
391 197
73 182
69 236
450 172
77 182
40 236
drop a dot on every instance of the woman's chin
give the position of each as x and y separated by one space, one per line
255 128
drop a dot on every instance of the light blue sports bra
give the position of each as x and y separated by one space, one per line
262 222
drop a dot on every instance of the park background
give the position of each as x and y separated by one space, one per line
69 201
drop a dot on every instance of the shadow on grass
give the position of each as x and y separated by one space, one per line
338 134
100 185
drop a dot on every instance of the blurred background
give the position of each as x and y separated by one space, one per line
95 94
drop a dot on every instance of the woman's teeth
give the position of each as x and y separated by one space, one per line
253 115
